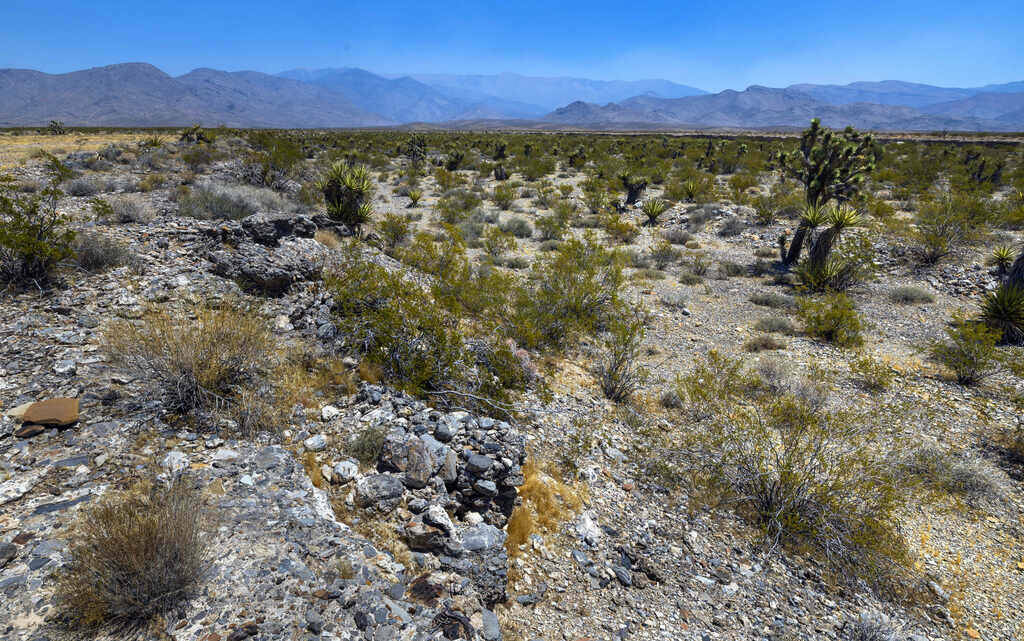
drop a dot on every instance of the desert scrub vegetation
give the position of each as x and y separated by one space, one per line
813 479
619 371
831 318
348 191
911 295
95 252
547 502
135 555
208 361
34 236
968 350
217 202
1003 311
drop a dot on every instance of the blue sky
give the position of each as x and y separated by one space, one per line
712 45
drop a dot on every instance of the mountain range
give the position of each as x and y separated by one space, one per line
139 94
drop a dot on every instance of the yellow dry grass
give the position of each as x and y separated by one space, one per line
16 149
547 502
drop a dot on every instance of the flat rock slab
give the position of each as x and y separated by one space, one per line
56 411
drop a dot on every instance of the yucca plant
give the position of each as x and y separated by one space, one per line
415 195
1003 310
813 217
653 208
1002 258
347 191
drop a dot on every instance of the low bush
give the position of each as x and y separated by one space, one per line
775 325
366 445
677 236
775 301
831 318
763 342
518 227
34 236
96 252
504 195
911 295
620 373
731 227
969 350
229 202
664 254
81 187
394 229
123 209
134 556
872 374
957 473
217 360
813 479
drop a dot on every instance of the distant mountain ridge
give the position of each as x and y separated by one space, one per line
139 94
766 107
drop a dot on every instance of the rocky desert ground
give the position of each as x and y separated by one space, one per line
396 385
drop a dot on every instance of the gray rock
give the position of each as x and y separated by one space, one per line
345 471
479 464
419 464
382 491
482 537
489 628
315 443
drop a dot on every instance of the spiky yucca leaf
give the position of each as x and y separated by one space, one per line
1003 310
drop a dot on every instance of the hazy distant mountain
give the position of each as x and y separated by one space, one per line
404 99
761 107
994 106
550 93
138 94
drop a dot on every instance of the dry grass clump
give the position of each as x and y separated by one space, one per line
546 502
96 252
217 359
134 556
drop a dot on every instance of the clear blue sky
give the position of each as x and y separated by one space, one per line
713 45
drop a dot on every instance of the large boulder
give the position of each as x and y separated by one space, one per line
269 271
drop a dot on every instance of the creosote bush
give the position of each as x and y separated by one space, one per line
134 556
969 350
34 237
620 373
813 479
831 318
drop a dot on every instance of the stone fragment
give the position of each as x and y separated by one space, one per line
59 412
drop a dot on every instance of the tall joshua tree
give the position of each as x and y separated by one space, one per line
831 166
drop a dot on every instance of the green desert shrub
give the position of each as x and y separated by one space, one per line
811 478
968 350
664 254
518 227
395 229
34 236
504 195
619 370
135 555
367 445
871 374
573 290
831 318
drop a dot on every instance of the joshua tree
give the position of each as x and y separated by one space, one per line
830 165
347 191
634 186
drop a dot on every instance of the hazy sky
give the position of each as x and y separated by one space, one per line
712 45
